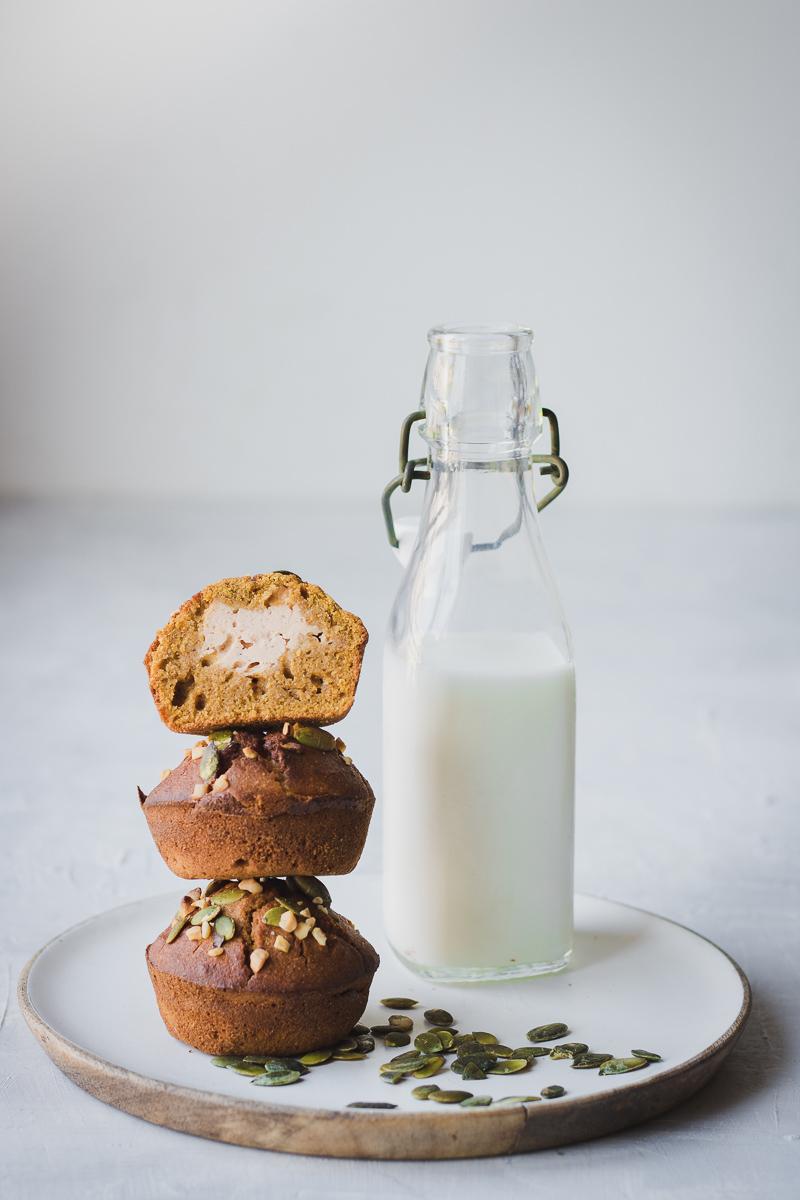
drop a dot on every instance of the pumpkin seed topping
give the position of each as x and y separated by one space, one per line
176 926
225 927
546 1033
228 895
273 915
553 1091
313 737
209 762
221 738
311 887
206 914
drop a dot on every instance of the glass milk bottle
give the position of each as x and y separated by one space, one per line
479 683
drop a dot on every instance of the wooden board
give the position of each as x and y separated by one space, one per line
637 980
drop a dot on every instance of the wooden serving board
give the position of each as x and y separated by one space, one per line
637 981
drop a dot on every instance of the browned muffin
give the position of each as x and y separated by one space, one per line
248 804
253 651
278 971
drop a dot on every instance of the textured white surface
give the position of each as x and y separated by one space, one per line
686 635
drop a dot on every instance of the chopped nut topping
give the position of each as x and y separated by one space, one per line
305 912
197 750
281 943
288 921
257 959
319 935
340 745
250 885
199 790
165 773
302 931
205 930
199 902
249 752
187 752
311 922
317 900
346 758
286 728
220 784
194 933
215 952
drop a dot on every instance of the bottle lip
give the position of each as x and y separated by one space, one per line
480 339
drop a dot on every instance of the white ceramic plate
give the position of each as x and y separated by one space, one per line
636 981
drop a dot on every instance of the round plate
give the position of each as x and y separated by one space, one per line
637 981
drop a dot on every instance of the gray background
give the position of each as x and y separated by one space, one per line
224 230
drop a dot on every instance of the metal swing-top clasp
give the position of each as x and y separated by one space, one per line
419 468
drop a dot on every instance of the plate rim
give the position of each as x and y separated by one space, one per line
438 1123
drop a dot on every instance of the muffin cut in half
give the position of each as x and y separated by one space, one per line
260 967
253 651
261 803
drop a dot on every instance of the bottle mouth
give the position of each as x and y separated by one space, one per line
480 339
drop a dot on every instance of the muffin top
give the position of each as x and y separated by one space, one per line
263 772
265 935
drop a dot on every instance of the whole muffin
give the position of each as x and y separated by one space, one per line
266 971
246 804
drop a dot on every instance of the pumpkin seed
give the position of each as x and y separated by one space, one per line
398 1022
621 1066
568 1049
315 1057
445 1037
516 1100
461 1066
476 1101
553 1091
415 1056
245 1068
399 1002
486 1039
438 1016
425 1091
348 1055
175 928
594 1058
380 1030
370 1104
453 1097
434 1064
472 1071
396 1037
214 885
273 915
545 1033
225 1060
312 887
647 1055
221 738
277 1080
209 763
358 1030
365 1044
224 927
316 739
206 914
272 1064
429 1042
508 1066
228 896
346 1044
531 1052
500 1051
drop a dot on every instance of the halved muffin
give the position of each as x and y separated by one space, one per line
253 651
244 804
260 967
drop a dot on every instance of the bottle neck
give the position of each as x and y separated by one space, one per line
488 500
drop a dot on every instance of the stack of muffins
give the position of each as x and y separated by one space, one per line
256 961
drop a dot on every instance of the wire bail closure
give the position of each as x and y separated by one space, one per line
551 464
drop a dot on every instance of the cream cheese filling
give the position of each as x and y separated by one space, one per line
253 640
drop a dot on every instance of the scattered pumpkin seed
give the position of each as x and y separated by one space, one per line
315 1057
225 1060
568 1049
445 1037
500 1051
228 896
396 1037
209 763
508 1066
346 1044
647 1055
517 1099
476 1102
224 927
365 1043
472 1071
245 1068
425 1091
272 1064
399 1002
370 1104
434 1064
316 739
380 1030
429 1042
531 1052
312 887
486 1039
206 914
416 1056
358 1030
546 1033
277 1080
347 1055
396 1021
553 1091
453 1097
587 1061
621 1066
438 1016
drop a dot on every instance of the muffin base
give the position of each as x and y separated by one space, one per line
219 845
238 1021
